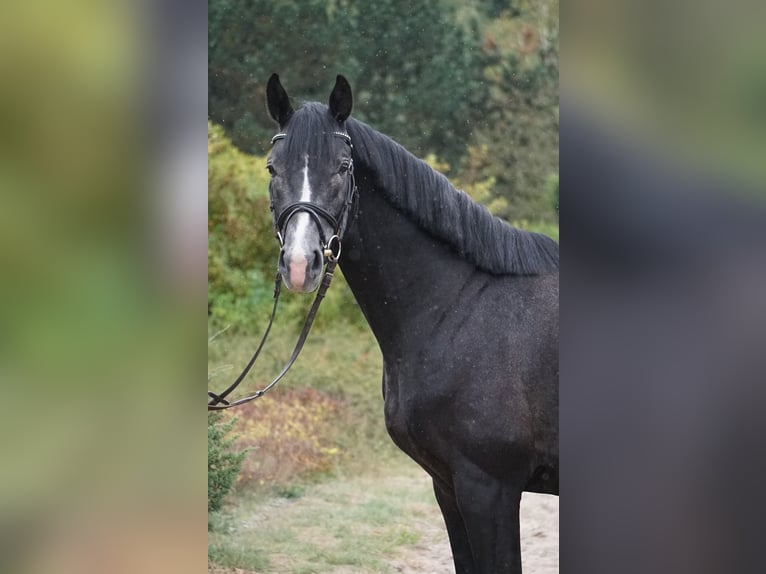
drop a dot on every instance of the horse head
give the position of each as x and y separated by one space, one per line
312 183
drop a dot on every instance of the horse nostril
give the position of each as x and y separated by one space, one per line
281 261
318 260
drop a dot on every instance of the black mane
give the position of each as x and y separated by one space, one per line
432 202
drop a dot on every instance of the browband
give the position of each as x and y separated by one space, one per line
344 136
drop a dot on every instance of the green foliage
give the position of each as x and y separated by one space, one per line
240 237
222 464
538 226
473 84
412 75
247 41
516 142
237 556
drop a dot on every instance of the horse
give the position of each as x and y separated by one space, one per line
463 306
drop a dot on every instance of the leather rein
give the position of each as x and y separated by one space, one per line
331 249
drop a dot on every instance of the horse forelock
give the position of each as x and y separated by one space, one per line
305 128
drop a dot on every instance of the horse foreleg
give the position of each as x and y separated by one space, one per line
458 537
490 512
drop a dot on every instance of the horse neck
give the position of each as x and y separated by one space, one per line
400 275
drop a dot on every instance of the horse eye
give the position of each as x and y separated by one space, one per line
271 169
344 166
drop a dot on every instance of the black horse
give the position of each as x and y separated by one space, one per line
463 306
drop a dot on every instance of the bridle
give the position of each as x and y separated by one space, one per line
331 249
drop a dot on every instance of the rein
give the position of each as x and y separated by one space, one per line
331 250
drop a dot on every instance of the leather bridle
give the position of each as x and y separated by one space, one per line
331 249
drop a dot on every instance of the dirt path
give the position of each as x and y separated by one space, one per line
539 538
382 524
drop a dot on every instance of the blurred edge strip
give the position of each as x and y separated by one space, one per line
102 248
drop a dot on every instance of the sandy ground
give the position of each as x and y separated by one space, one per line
539 540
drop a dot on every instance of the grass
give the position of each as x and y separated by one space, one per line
236 556
360 522
311 496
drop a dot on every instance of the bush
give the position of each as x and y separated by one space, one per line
294 434
223 465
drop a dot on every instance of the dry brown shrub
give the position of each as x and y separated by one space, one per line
290 434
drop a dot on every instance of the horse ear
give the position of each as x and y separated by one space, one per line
340 99
278 101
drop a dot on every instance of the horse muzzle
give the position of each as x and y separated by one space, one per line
301 271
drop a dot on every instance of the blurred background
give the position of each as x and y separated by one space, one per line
102 272
663 143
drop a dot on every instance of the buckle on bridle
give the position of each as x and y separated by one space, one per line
332 249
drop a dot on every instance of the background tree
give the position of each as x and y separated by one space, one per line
516 142
247 41
413 66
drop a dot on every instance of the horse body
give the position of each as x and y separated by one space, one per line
470 360
470 354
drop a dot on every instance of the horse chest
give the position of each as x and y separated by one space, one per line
408 421
397 408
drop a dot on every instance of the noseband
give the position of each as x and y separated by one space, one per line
330 247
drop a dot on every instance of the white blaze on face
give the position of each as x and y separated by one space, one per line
297 258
